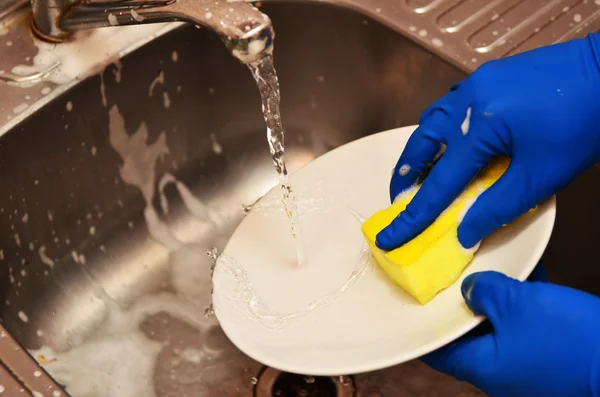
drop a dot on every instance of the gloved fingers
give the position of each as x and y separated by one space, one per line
420 152
490 294
444 183
437 124
498 206
466 359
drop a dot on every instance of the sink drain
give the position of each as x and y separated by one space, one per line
274 383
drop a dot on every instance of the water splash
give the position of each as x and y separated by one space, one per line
236 287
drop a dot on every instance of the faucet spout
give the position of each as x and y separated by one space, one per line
246 31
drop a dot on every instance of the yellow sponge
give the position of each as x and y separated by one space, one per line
433 260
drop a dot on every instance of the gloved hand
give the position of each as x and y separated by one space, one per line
545 340
541 108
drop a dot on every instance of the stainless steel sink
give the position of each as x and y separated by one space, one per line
75 248
346 77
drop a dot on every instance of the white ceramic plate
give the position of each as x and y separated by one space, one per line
338 313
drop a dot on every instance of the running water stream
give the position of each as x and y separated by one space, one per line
268 85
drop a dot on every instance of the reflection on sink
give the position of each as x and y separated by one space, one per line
79 263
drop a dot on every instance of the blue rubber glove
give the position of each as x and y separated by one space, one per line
545 340
541 108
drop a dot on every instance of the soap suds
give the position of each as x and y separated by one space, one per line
466 123
404 170
117 358
192 355
136 16
89 51
20 108
166 100
216 146
112 19
160 79
116 365
577 18
23 317
136 170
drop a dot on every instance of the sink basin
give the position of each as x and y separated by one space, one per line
77 257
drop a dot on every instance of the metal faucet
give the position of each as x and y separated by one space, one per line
247 32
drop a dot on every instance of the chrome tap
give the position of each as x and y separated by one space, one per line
247 32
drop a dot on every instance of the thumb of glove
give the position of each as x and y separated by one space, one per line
490 294
473 358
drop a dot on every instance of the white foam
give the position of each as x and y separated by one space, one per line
216 146
160 79
166 100
116 365
23 317
20 108
136 16
116 358
466 123
89 51
112 19
192 355
404 170
138 167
